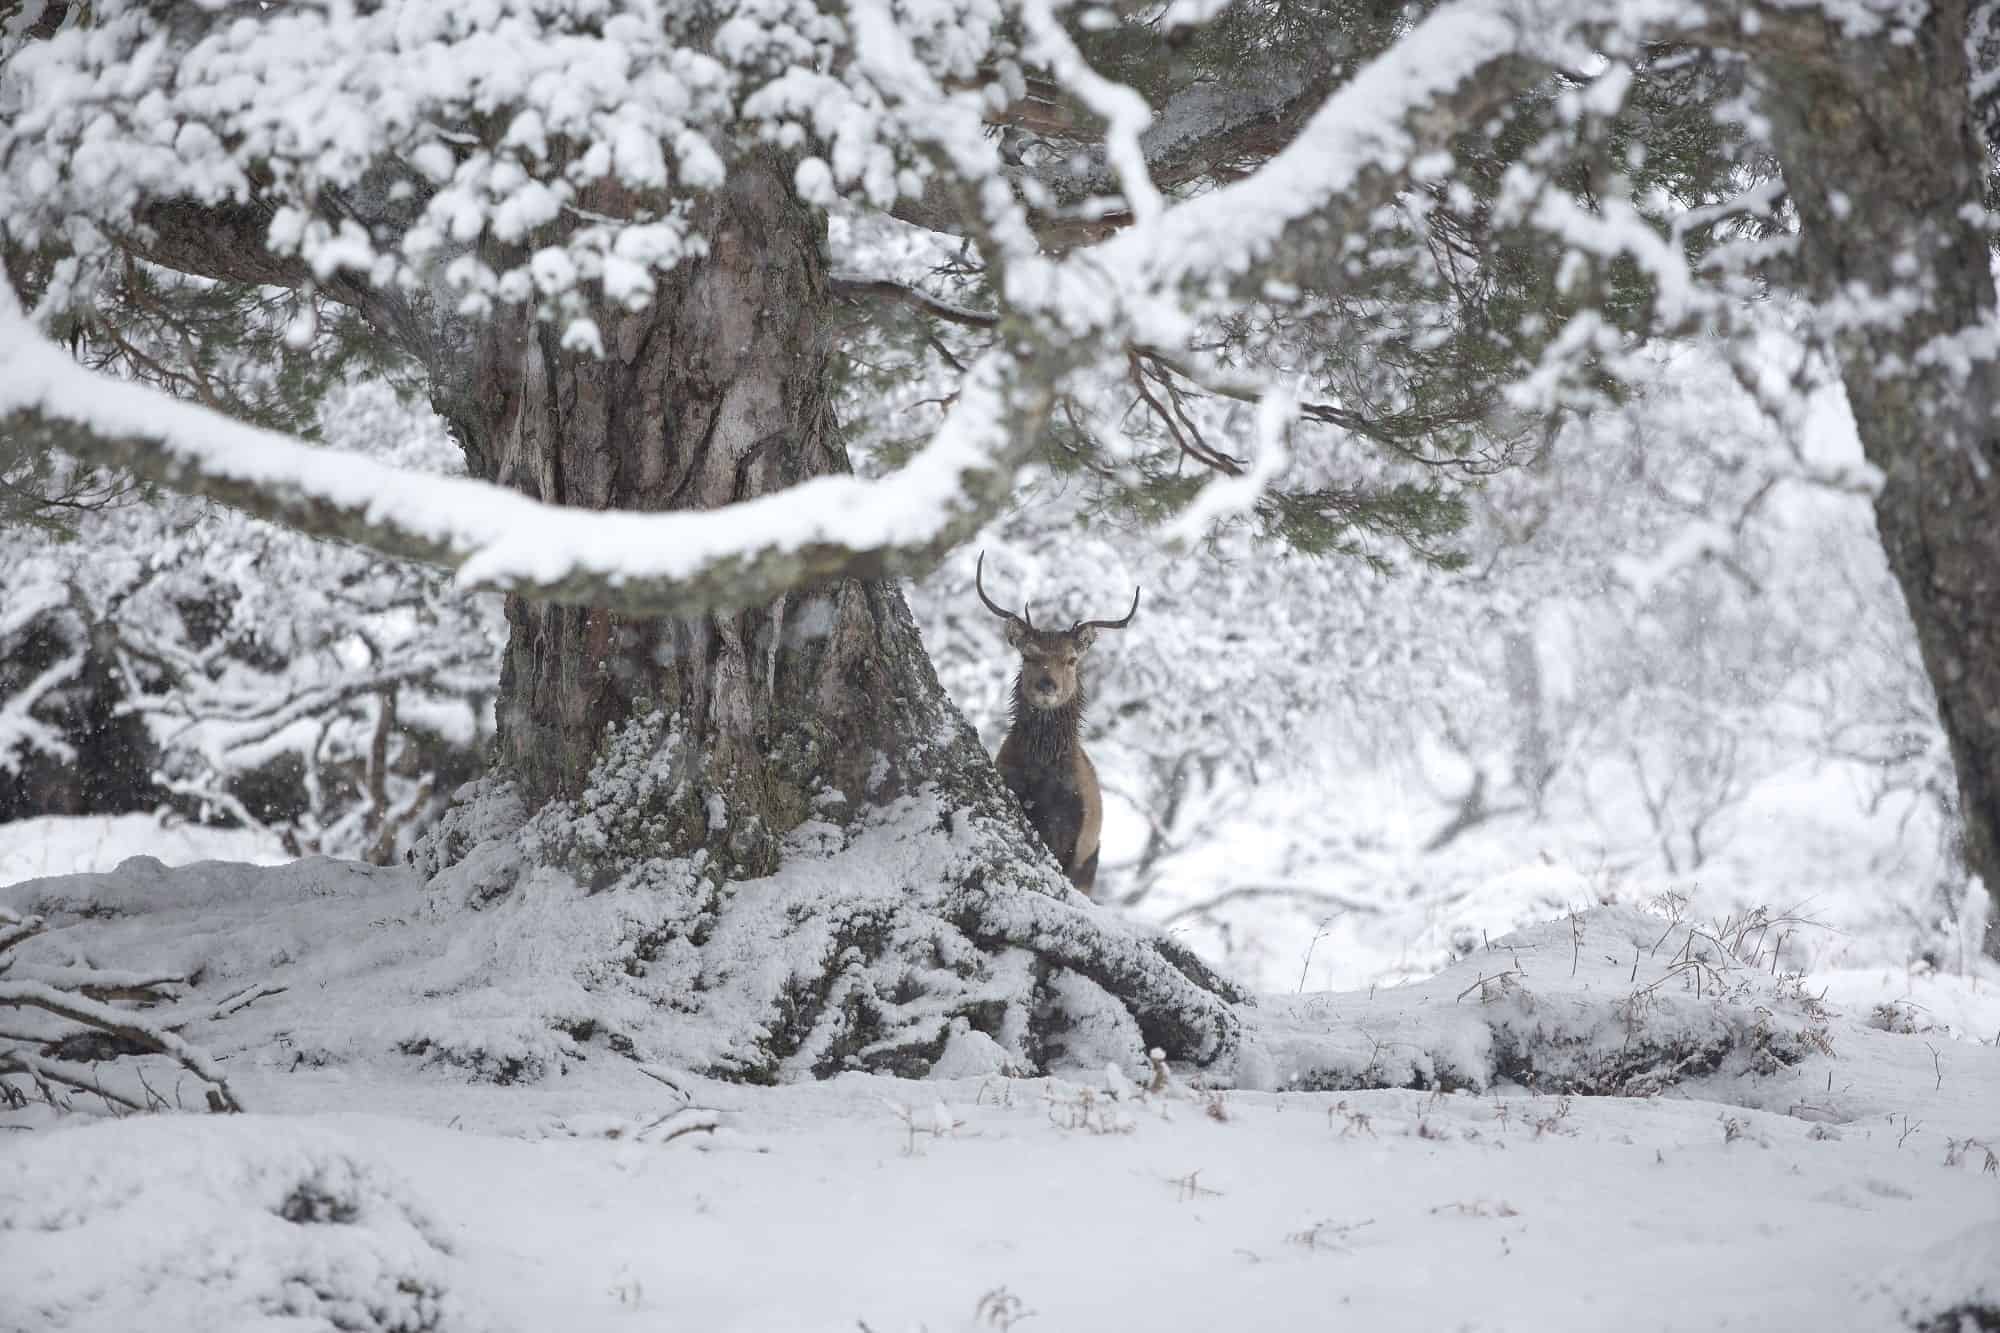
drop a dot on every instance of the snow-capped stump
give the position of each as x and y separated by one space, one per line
219 1223
1607 1002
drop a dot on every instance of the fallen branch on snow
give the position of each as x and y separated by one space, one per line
82 998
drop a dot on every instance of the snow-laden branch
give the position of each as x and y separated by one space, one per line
80 996
1124 110
1230 495
1459 65
1354 156
681 564
862 287
80 1008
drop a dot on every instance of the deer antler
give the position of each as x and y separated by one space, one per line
1111 624
978 573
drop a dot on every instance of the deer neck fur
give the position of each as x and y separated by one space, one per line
1049 735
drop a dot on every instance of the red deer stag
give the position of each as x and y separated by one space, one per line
1042 758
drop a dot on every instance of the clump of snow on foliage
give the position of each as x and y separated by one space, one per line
640 105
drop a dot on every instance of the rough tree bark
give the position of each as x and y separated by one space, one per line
716 393
1886 167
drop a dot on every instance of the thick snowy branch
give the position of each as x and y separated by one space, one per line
118 1023
643 564
1460 65
1201 131
862 288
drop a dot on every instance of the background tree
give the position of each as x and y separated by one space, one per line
162 652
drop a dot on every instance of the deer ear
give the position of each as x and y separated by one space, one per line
1084 637
1017 634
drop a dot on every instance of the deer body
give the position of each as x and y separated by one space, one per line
1042 759
1045 767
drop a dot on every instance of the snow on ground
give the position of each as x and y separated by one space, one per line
79 844
816 1208
1810 1169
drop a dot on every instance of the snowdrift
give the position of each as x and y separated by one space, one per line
1611 1001
472 1115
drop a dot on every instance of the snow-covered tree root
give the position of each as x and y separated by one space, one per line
1610 1002
919 935
50 1011
917 941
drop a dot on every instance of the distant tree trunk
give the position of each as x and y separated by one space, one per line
1534 745
1883 161
716 393
110 769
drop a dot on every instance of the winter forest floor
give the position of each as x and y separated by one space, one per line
819 1208
1823 1173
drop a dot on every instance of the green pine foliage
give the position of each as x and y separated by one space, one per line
266 355
1404 341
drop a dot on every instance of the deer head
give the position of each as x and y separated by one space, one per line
1049 657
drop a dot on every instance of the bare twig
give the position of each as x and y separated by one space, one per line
246 997
1297 893
859 287
98 1016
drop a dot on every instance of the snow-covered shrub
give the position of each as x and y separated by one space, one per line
69 742
1613 1002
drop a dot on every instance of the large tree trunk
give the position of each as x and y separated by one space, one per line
716 393
1884 164
816 866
